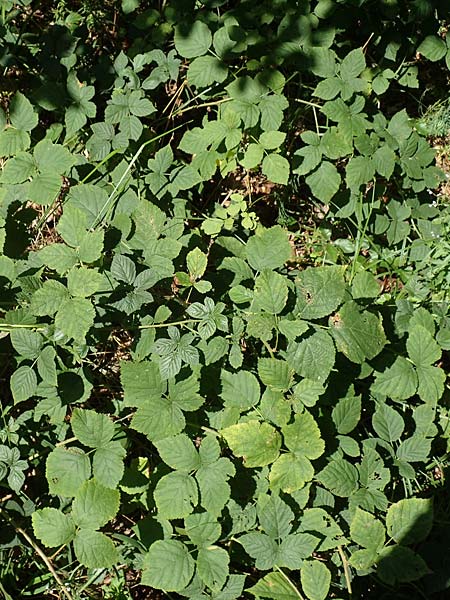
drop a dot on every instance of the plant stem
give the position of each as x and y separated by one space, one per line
348 580
297 593
41 554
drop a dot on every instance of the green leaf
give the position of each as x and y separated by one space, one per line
23 384
360 336
253 156
271 292
353 64
21 113
51 157
94 550
397 564
48 298
433 48
179 453
340 477
59 257
410 520
160 418
197 262
311 157
320 290
212 481
83 282
212 566
383 160
360 170
107 464
123 269
276 168
176 495
75 317
414 449
346 414
94 505
270 140
275 373
398 382
13 141
240 389
202 529
19 168
44 188
324 182
367 531
316 579
268 249
431 383
141 382
313 357
262 548
422 348
257 443
328 88
387 423
290 472
26 342
66 470
53 527
167 566
91 428
192 39
206 70
275 516
303 436
46 366
276 586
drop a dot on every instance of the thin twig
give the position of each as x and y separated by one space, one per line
39 327
269 349
40 553
348 580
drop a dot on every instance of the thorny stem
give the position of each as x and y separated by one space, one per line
346 571
41 554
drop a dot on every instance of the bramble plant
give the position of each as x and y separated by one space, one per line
224 313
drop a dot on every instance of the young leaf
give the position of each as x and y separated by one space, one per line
257 443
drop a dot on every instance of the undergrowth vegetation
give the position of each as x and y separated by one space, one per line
224 299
